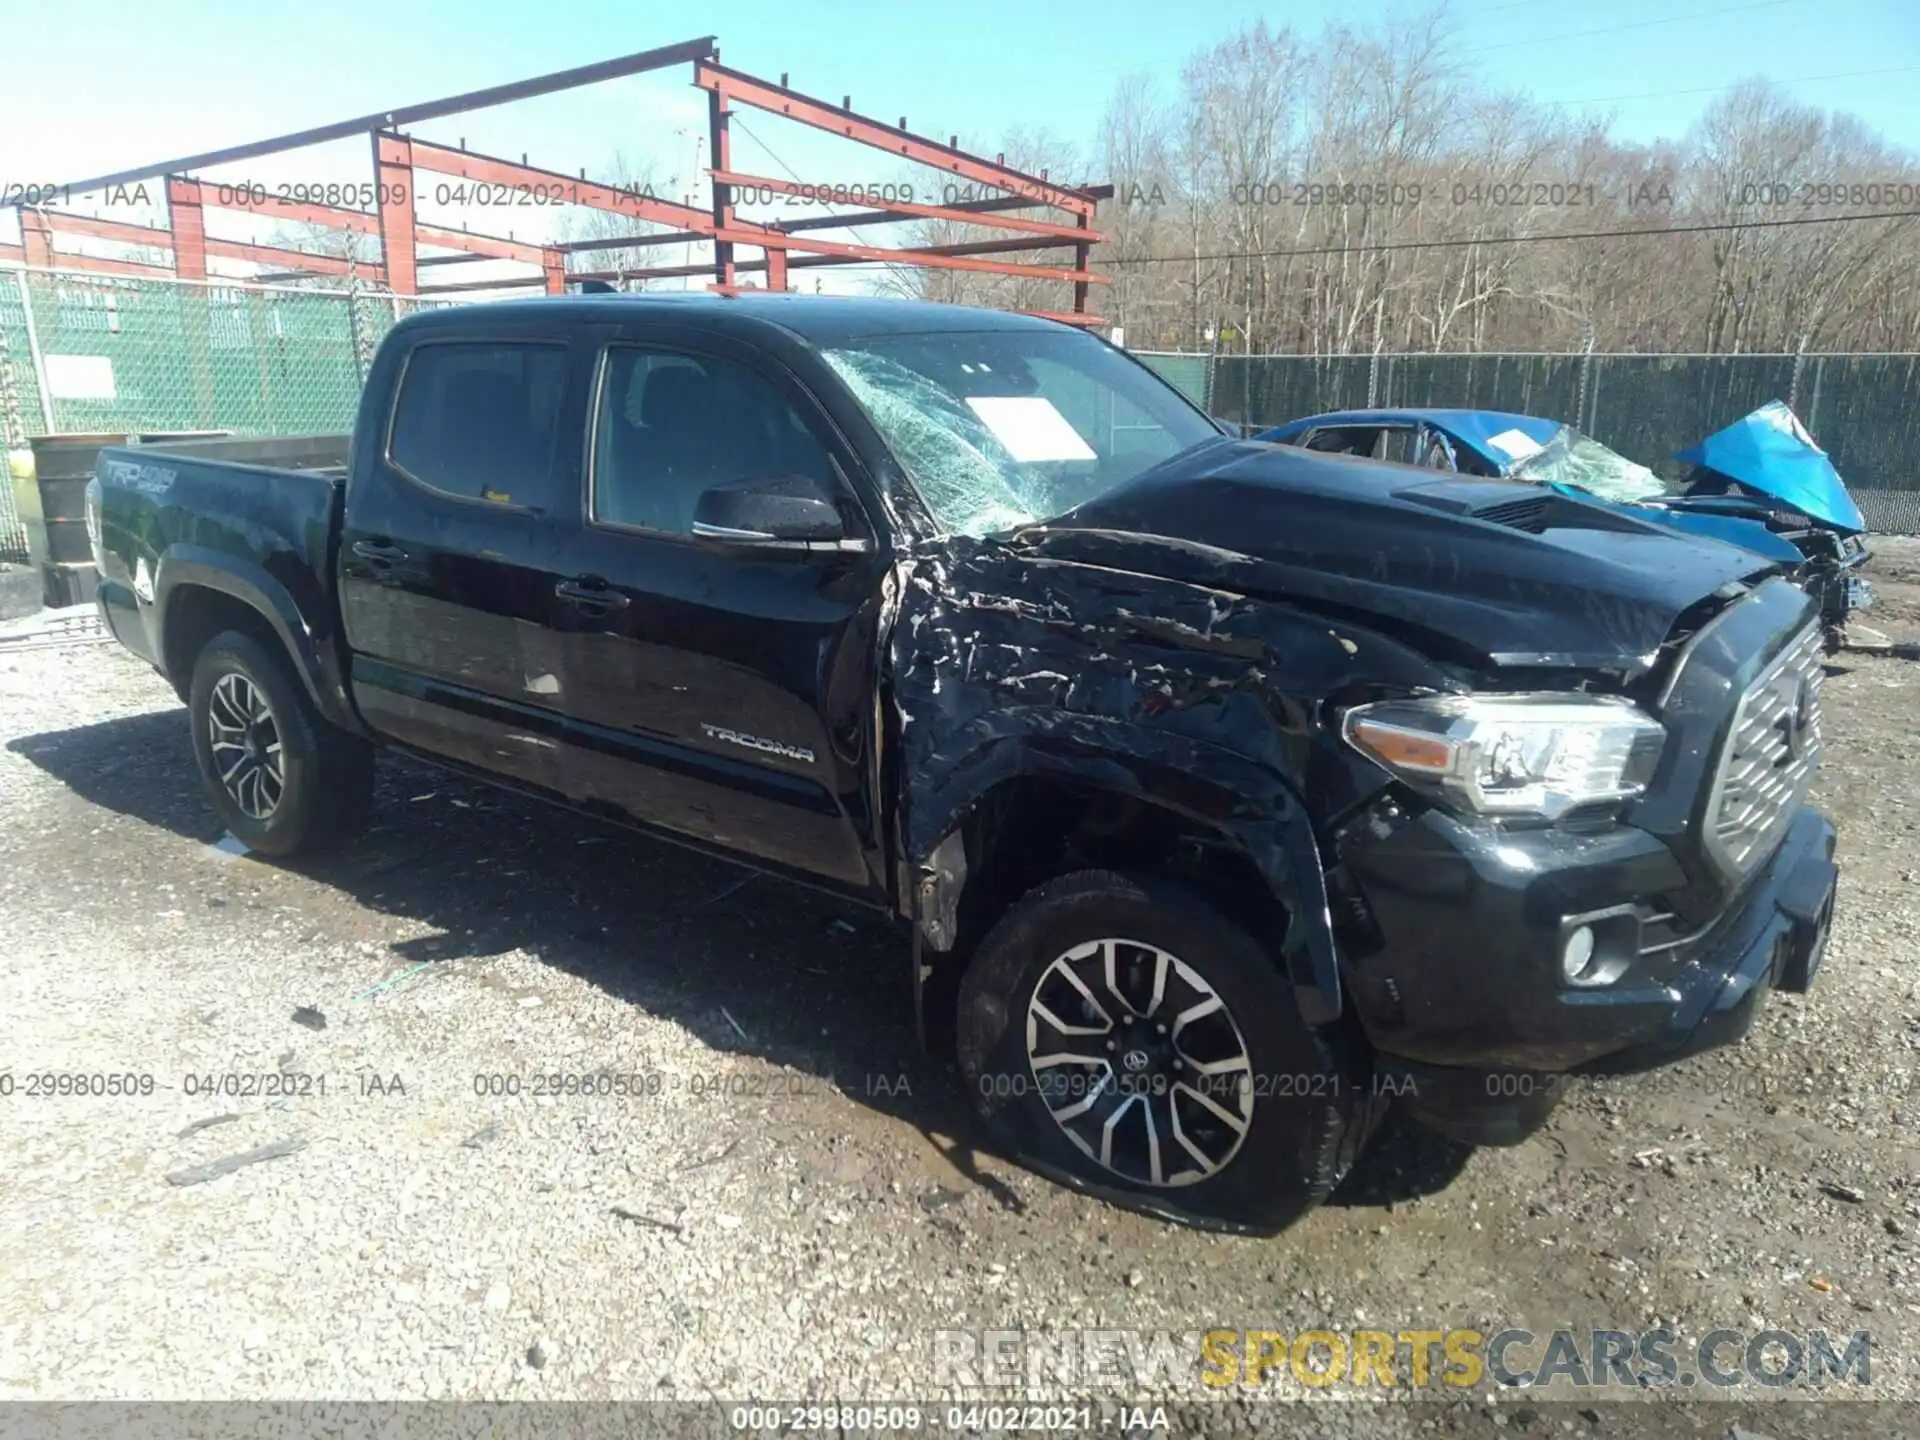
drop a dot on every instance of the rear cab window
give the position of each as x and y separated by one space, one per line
480 420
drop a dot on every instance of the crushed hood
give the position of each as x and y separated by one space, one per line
1517 573
1770 451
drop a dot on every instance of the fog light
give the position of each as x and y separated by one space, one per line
1576 960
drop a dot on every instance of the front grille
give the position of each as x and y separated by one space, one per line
1771 752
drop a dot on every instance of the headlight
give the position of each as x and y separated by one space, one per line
1511 754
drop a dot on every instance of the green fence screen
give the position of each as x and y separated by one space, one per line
106 353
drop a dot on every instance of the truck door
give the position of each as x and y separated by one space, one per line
447 552
720 693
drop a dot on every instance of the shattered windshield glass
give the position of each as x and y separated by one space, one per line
1570 458
1002 428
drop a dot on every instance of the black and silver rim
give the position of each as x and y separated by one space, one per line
245 740
1140 1062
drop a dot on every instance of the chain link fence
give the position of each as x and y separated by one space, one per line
93 353
104 353
1864 409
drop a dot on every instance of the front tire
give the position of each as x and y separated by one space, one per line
1124 1036
281 777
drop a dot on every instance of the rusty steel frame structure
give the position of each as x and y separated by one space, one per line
398 158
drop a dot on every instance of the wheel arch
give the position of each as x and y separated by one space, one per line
1022 810
199 592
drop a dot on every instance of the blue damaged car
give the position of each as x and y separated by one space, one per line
1760 483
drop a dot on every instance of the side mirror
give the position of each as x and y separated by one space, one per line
781 512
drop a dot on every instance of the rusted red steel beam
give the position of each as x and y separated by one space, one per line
393 162
851 220
294 259
809 262
929 259
333 217
366 222
36 238
488 169
1065 317
913 208
119 231
733 85
187 219
719 160
62 260
1082 258
656 59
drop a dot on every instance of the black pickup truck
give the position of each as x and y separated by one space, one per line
1224 790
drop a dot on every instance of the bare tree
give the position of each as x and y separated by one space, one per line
580 223
1366 188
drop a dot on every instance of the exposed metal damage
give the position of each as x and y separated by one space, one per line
1152 688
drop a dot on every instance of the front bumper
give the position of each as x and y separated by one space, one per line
1460 987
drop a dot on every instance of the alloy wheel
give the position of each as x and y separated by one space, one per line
1140 1062
245 740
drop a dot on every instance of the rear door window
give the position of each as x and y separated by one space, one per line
480 420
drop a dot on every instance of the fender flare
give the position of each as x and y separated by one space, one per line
184 567
1219 790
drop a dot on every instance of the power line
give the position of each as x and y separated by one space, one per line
1716 89
1634 25
733 118
1459 244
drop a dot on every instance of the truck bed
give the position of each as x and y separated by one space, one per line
255 519
326 454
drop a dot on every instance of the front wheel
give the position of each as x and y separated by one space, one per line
1124 1036
283 779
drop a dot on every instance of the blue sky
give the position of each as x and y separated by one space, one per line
88 88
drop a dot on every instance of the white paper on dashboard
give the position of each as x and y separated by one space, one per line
1515 444
1030 428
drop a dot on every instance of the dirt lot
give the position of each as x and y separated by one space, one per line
786 1205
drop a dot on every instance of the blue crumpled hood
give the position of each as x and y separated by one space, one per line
1771 451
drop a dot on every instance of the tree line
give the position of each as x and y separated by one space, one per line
1363 189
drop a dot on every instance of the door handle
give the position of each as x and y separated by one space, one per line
588 595
378 553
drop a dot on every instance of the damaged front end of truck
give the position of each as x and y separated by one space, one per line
1492 774
1486 784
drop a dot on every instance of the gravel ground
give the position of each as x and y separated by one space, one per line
789 1205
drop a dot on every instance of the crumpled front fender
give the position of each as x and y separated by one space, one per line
1004 665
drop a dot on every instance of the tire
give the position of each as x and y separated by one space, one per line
281 777
1301 1095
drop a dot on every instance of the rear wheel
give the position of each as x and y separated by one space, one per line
1124 1035
283 779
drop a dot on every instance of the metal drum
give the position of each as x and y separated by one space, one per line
53 507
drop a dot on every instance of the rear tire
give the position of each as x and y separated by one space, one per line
1290 1104
282 778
